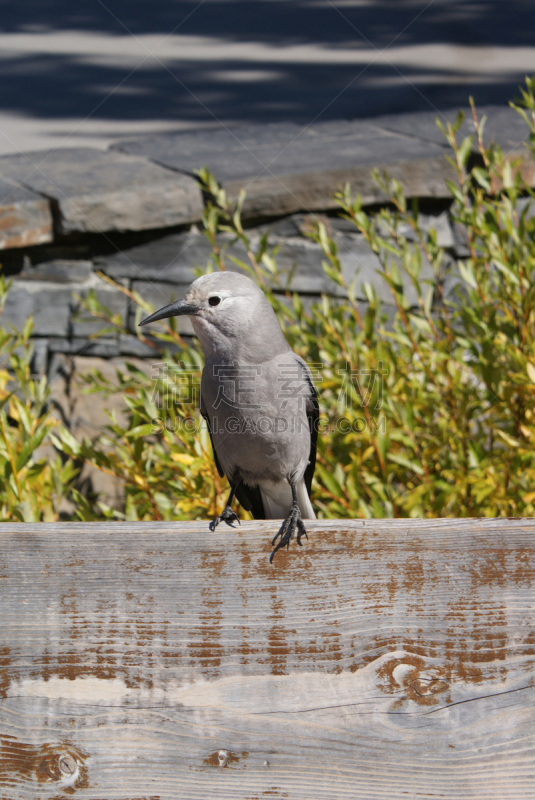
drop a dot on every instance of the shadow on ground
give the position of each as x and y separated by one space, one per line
67 85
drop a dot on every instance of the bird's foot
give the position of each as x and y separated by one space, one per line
287 531
227 515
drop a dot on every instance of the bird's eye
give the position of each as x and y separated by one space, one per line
214 301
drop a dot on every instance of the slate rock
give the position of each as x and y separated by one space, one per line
53 306
360 265
291 225
460 239
439 222
159 294
25 217
59 270
83 347
123 345
284 168
132 346
171 259
526 202
96 191
242 151
504 125
86 416
39 359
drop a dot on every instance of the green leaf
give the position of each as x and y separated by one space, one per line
405 462
141 430
31 446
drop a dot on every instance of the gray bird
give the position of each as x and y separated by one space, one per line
258 399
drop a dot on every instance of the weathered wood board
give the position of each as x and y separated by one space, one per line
383 659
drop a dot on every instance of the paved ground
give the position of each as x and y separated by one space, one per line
96 70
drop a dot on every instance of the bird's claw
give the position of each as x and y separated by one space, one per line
287 531
227 515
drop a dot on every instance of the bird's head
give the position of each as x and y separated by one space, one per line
230 315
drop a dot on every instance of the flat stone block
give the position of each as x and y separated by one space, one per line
82 323
96 191
159 294
314 191
52 306
171 259
246 151
84 415
174 259
522 160
461 247
132 346
284 169
361 265
25 217
39 360
162 270
58 270
440 223
504 126
78 346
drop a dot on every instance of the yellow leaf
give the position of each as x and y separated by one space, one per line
368 452
529 497
182 458
511 441
525 431
530 368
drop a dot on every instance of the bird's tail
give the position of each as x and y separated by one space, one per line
305 506
277 500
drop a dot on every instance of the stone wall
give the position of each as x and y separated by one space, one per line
133 213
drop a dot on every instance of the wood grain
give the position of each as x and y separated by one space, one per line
383 659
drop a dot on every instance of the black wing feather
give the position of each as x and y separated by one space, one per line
313 416
207 420
251 500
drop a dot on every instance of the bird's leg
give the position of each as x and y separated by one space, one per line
288 528
227 515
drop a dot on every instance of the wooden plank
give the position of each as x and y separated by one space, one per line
383 659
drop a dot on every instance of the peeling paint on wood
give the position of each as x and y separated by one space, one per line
383 659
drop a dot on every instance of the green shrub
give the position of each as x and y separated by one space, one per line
32 485
440 397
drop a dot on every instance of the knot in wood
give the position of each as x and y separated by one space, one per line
67 765
223 758
57 767
426 686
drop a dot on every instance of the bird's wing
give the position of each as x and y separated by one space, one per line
251 500
249 497
313 415
207 420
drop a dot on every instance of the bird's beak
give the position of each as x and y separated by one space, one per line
177 309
